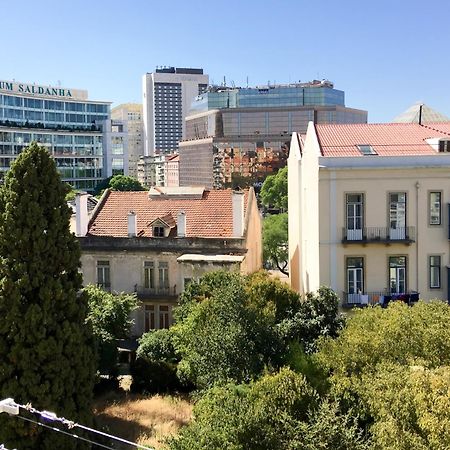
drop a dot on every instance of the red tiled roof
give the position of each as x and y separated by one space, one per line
210 216
387 139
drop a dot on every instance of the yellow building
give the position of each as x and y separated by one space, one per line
369 209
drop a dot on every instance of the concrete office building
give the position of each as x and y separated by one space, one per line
71 127
117 137
131 115
167 96
238 136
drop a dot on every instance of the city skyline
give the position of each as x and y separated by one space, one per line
385 56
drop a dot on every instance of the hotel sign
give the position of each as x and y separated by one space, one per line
42 91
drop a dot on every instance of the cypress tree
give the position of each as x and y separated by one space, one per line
46 355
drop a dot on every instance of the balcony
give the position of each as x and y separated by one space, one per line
156 293
381 298
381 235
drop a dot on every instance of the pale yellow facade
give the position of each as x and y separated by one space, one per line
369 227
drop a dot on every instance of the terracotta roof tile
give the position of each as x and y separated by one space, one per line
210 216
387 139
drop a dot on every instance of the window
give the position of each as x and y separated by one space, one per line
435 208
444 146
149 317
397 274
149 275
435 271
163 275
366 149
397 215
355 275
158 231
164 321
103 275
354 219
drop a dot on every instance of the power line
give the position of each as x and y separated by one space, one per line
63 432
12 408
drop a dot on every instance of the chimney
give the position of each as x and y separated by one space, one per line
132 224
181 224
238 213
81 214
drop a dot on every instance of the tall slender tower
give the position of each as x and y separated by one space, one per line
167 96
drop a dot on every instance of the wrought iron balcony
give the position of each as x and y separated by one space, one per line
144 292
381 298
382 235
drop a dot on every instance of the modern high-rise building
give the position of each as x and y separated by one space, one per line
167 96
131 115
71 127
238 136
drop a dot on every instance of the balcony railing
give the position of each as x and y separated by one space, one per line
379 235
142 291
378 298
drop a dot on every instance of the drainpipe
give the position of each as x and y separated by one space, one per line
417 235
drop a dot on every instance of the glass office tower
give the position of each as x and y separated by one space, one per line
238 136
64 121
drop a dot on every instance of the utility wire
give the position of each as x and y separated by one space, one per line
63 432
12 408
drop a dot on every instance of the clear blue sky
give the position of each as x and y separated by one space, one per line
385 55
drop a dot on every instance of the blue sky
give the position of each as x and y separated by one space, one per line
385 55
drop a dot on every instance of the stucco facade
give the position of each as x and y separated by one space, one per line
159 268
371 227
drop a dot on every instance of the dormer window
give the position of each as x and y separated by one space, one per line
366 149
158 231
444 146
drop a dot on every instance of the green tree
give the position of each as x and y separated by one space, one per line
279 411
372 361
230 327
109 317
101 186
46 354
216 334
410 407
274 191
125 183
275 241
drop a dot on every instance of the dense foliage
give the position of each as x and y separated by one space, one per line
46 355
155 368
217 337
274 191
391 368
275 241
125 183
231 328
109 317
279 411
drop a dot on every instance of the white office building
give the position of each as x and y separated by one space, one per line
131 116
167 96
72 128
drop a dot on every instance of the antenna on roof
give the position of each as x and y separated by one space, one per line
420 113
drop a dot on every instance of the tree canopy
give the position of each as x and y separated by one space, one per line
46 355
109 317
391 368
125 183
230 327
275 241
274 191
280 411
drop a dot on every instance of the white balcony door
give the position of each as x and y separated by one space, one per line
397 215
397 274
355 277
354 217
